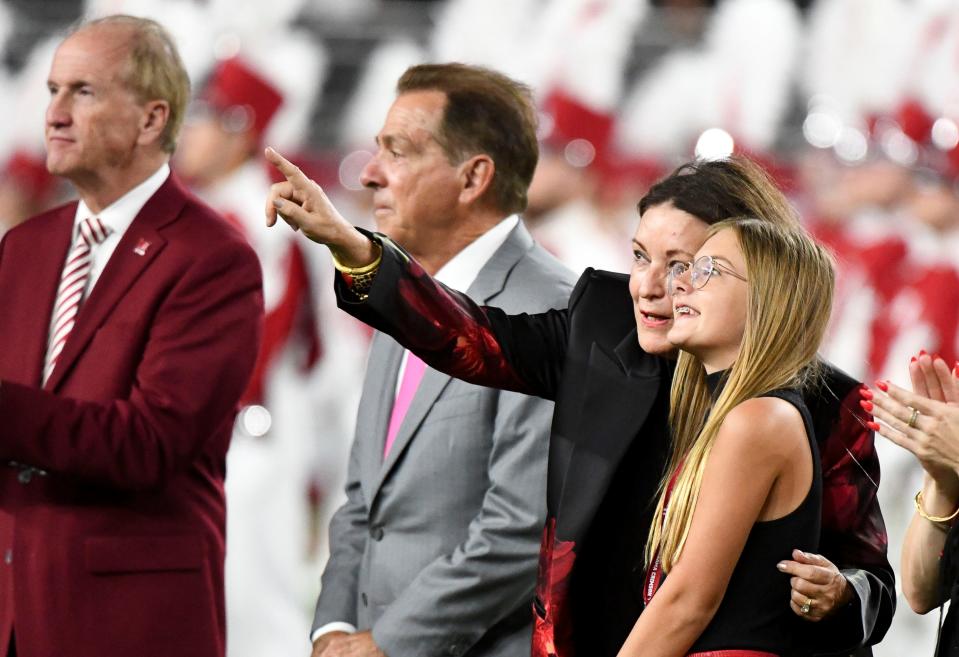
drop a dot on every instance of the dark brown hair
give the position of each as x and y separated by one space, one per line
486 112
714 190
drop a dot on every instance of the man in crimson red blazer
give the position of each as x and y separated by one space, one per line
130 322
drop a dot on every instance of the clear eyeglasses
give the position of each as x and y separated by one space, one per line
700 271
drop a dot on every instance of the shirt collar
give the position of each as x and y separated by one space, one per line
120 214
463 268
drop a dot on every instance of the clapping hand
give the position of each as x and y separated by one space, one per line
926 421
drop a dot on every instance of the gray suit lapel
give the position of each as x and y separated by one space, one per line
492 277
430 387
376 407
489 282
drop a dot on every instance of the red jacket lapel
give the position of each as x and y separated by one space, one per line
138 247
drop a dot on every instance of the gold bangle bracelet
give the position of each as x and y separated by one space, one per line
933 519
365 269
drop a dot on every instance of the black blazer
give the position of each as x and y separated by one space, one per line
611 397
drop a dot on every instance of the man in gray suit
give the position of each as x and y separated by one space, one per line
435 551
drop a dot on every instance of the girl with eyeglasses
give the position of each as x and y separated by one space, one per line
744 484
606 361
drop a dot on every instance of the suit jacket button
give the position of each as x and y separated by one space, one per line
8 556
366 603
376 533
25 475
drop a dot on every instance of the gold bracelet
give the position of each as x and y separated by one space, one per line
365 269
360 279
936 520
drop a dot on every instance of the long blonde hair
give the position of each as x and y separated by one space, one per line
790 292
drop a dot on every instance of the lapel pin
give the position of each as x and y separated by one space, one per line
141 247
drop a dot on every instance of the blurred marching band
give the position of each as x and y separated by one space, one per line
852 104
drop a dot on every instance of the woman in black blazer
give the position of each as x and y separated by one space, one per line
605 361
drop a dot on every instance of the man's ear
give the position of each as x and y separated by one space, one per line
156 113
477 176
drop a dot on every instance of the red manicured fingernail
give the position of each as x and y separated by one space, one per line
882 385
866 405
936 357
922 352
872 425
913 359
865 393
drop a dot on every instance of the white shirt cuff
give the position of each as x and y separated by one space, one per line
331 627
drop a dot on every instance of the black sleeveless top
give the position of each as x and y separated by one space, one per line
755 613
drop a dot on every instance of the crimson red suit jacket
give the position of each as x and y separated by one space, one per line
113 537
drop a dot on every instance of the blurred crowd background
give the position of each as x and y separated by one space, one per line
853 105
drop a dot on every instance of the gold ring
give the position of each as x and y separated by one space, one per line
807 606
913 419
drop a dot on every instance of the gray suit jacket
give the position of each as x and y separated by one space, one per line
436 547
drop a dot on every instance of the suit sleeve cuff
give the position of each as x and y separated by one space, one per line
845 630
331 627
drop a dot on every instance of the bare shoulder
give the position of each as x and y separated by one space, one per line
761 427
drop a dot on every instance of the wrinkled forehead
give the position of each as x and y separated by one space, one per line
414 116
98 51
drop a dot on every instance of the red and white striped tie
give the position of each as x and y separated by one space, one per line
73 284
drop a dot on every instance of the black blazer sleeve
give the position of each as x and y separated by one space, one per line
853 532
451 333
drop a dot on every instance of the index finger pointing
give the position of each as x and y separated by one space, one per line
284 166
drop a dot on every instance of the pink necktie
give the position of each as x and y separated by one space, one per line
73 283
412 375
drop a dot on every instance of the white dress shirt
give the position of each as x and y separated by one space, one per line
117 216
458 273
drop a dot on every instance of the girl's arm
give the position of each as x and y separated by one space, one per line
756 443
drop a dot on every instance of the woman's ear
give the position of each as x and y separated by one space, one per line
477 177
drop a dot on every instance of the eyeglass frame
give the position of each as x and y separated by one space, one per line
714 265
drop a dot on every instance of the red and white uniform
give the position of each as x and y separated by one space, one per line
272 461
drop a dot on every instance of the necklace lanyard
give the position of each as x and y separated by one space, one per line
654 574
